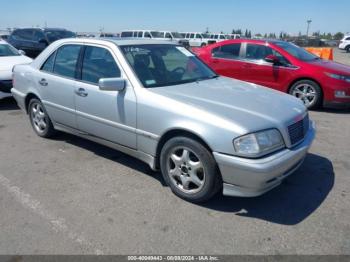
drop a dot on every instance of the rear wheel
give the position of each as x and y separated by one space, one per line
347 49
189 169
309 92
39 119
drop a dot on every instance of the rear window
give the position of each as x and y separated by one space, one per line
53 35
227 51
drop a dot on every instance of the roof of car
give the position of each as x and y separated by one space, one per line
120 41
40 28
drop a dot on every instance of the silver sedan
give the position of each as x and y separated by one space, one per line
158 102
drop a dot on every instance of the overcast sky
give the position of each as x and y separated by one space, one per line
180 15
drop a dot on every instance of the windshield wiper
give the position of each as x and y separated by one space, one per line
206 78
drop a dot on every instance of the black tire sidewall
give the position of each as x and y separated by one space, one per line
50 129
319 94
212 179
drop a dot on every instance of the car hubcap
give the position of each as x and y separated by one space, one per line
38 118
185 170
305 93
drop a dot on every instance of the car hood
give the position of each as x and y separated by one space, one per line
7 62
247 105
331 66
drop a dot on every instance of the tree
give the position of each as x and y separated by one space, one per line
246 33
233 31
338 36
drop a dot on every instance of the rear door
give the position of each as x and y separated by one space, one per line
109 115
56 83
226 60
256 70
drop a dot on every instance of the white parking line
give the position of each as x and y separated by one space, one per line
58 223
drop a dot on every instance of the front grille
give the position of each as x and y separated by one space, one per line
5 86
298 130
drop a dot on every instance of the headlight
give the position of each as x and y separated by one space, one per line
339 77
258 144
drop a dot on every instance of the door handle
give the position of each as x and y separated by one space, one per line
43 82
81 92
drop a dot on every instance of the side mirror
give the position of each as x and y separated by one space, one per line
112 84
272 59
21 52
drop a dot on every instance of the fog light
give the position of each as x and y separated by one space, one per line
340 94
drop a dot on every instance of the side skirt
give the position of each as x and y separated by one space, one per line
148 159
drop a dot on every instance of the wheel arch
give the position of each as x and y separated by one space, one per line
176 133
304 78
29 97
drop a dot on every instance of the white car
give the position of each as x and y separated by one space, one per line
148 34
345 43
9 57
197 39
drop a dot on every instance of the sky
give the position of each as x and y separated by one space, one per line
179 15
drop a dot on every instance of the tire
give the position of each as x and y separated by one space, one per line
203 44
347 49
190 170
309 92
39 119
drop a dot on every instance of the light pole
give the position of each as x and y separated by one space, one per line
308 27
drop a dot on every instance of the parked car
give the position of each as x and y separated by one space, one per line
148 34
197 39
282 66
156 35
218 38
175 36
345 43
9 57
34 40
160 103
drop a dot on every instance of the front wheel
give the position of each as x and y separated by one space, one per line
347 49
39 119
189 169
309 92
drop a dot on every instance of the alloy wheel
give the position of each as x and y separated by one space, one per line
185 170
38 117
306 93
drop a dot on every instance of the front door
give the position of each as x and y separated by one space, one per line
257 70
109 115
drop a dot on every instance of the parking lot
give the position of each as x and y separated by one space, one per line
71 196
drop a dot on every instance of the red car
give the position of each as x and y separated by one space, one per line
282 66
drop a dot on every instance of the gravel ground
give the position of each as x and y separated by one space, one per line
71 196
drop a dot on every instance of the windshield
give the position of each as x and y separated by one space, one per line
297 51
156 34
7 50
176 35
164 65
53 35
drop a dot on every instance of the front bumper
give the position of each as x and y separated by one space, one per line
253 177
